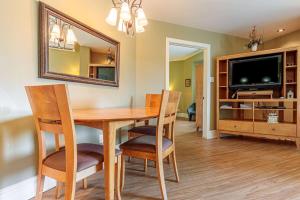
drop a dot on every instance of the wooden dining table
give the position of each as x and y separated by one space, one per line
109 120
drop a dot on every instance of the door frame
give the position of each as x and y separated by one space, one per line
207 79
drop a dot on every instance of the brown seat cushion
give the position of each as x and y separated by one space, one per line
98 148
88 155
146 130
145 143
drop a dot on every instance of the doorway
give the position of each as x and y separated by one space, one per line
201 84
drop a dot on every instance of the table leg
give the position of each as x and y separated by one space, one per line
109 140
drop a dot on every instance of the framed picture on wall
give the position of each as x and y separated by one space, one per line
188 82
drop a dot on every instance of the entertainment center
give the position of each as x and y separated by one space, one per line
258 94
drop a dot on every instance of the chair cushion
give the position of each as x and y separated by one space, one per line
145 143
97 148
146 130
88 155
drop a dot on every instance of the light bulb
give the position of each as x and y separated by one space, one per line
71 38
55 32
121 26
138 27
125 12
111 19
141 17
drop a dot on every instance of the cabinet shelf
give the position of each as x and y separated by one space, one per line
276 109
236 108
291 67
258 100
291 83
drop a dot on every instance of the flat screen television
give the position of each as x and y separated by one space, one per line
253 73
106 73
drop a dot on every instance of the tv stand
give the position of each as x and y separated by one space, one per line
255 94
248 113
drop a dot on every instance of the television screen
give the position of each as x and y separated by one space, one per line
106 73
257 72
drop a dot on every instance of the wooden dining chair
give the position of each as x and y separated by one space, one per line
73 162
156 147
152 100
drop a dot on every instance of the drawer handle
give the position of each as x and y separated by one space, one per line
235 126
273 129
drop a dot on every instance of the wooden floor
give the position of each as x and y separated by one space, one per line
225 169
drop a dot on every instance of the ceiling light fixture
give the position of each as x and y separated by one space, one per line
62 35
280 30
132 18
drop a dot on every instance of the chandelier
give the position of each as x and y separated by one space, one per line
132 18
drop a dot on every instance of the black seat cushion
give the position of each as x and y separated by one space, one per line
145 143
145 130
88 155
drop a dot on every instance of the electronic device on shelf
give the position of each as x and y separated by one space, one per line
248 73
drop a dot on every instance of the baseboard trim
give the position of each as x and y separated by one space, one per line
183 115
211 134
25 190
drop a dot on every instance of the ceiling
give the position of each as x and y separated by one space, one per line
178 53
234 17
96 44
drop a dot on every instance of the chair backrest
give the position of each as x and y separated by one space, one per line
52 113
153 100
167 116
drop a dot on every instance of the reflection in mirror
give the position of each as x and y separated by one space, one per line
72 51
75 52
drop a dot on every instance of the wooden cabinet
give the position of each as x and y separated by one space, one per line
238 126
249 115
280 129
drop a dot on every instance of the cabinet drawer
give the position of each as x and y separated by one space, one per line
280 129
237 126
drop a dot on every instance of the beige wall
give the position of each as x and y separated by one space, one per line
177 79
85 58
151 55
288 40
179 71
19 67
62 61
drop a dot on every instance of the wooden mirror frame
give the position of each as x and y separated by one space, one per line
44 12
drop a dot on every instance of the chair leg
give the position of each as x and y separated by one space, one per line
175 166
84 183
122 172
161 178
70 187
40 186
169 159
118 178
58 189
146 166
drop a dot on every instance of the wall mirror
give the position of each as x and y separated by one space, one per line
72 51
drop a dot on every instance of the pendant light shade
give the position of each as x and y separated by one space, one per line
125 12
55 32
71 38
112 17
141 17
128 16
138 27
121 26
